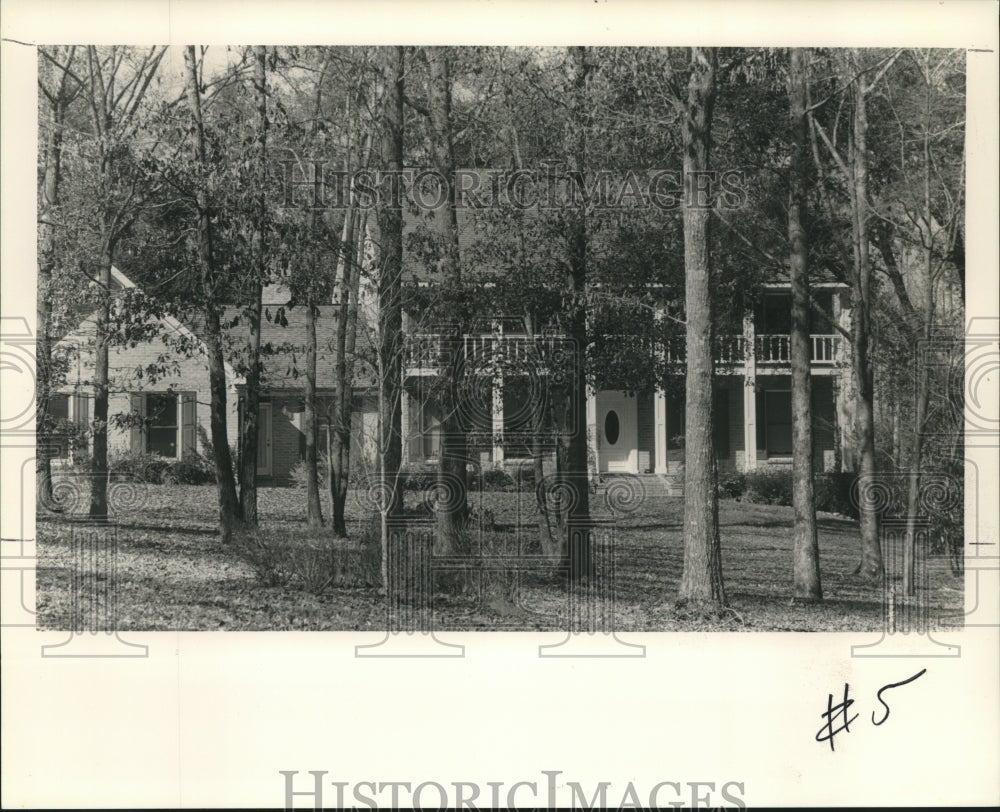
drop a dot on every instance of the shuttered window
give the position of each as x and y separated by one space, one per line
165 423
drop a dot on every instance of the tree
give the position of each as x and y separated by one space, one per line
857 75
805 553
701 580
389 273
452 473
115 85
251 405
230 518
59 88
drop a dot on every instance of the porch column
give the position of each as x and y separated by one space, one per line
592 431
404 422
498 419
749 395
660 416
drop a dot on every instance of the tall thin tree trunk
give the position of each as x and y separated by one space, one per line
249 426
579 547
230 522
923 371
341 448
314 510
99 455
701 580
870 566
46 263
805 544
453 459
390 274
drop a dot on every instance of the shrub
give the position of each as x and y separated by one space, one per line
194 471
768 487
833 494
833 490
135 465
496 479
732 485
298 472
314 560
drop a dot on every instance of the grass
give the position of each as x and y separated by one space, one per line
174 574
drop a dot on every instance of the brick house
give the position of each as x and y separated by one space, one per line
628 432
167 391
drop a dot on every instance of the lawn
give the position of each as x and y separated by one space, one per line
174 574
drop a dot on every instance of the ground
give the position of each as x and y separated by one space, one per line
174 574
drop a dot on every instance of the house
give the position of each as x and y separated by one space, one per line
166 392
642 432
160 384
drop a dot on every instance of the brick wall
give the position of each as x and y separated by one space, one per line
179 374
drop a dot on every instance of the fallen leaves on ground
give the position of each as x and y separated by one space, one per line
173 573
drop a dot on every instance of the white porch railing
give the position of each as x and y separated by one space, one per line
429 351
776 349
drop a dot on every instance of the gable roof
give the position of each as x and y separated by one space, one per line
283 345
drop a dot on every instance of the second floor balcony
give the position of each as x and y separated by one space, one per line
769 350
427 353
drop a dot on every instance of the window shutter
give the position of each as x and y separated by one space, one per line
189 420
81 410
81 418
138 431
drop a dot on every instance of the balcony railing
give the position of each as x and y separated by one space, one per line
430 351
775 350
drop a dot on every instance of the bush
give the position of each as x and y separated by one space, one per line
732 485
195 471
833 494
135 465
314 560
298 472
495 479
769 487
833 490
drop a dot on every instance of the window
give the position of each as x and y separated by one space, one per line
777 315
161 423
778 422
59 424
612 427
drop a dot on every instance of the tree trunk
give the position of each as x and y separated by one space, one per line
870 567
579 546
99 455
701 580
390 274
340 429
341 451
314 511
46 263
249 426
229 514
923 364
452 513
805 544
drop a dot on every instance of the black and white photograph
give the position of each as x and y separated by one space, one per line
608 350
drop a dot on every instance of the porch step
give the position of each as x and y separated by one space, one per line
672 483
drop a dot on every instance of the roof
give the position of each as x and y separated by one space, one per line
283 345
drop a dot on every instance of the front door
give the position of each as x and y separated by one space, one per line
617 433
264 440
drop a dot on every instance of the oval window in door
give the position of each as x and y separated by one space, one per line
611 427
